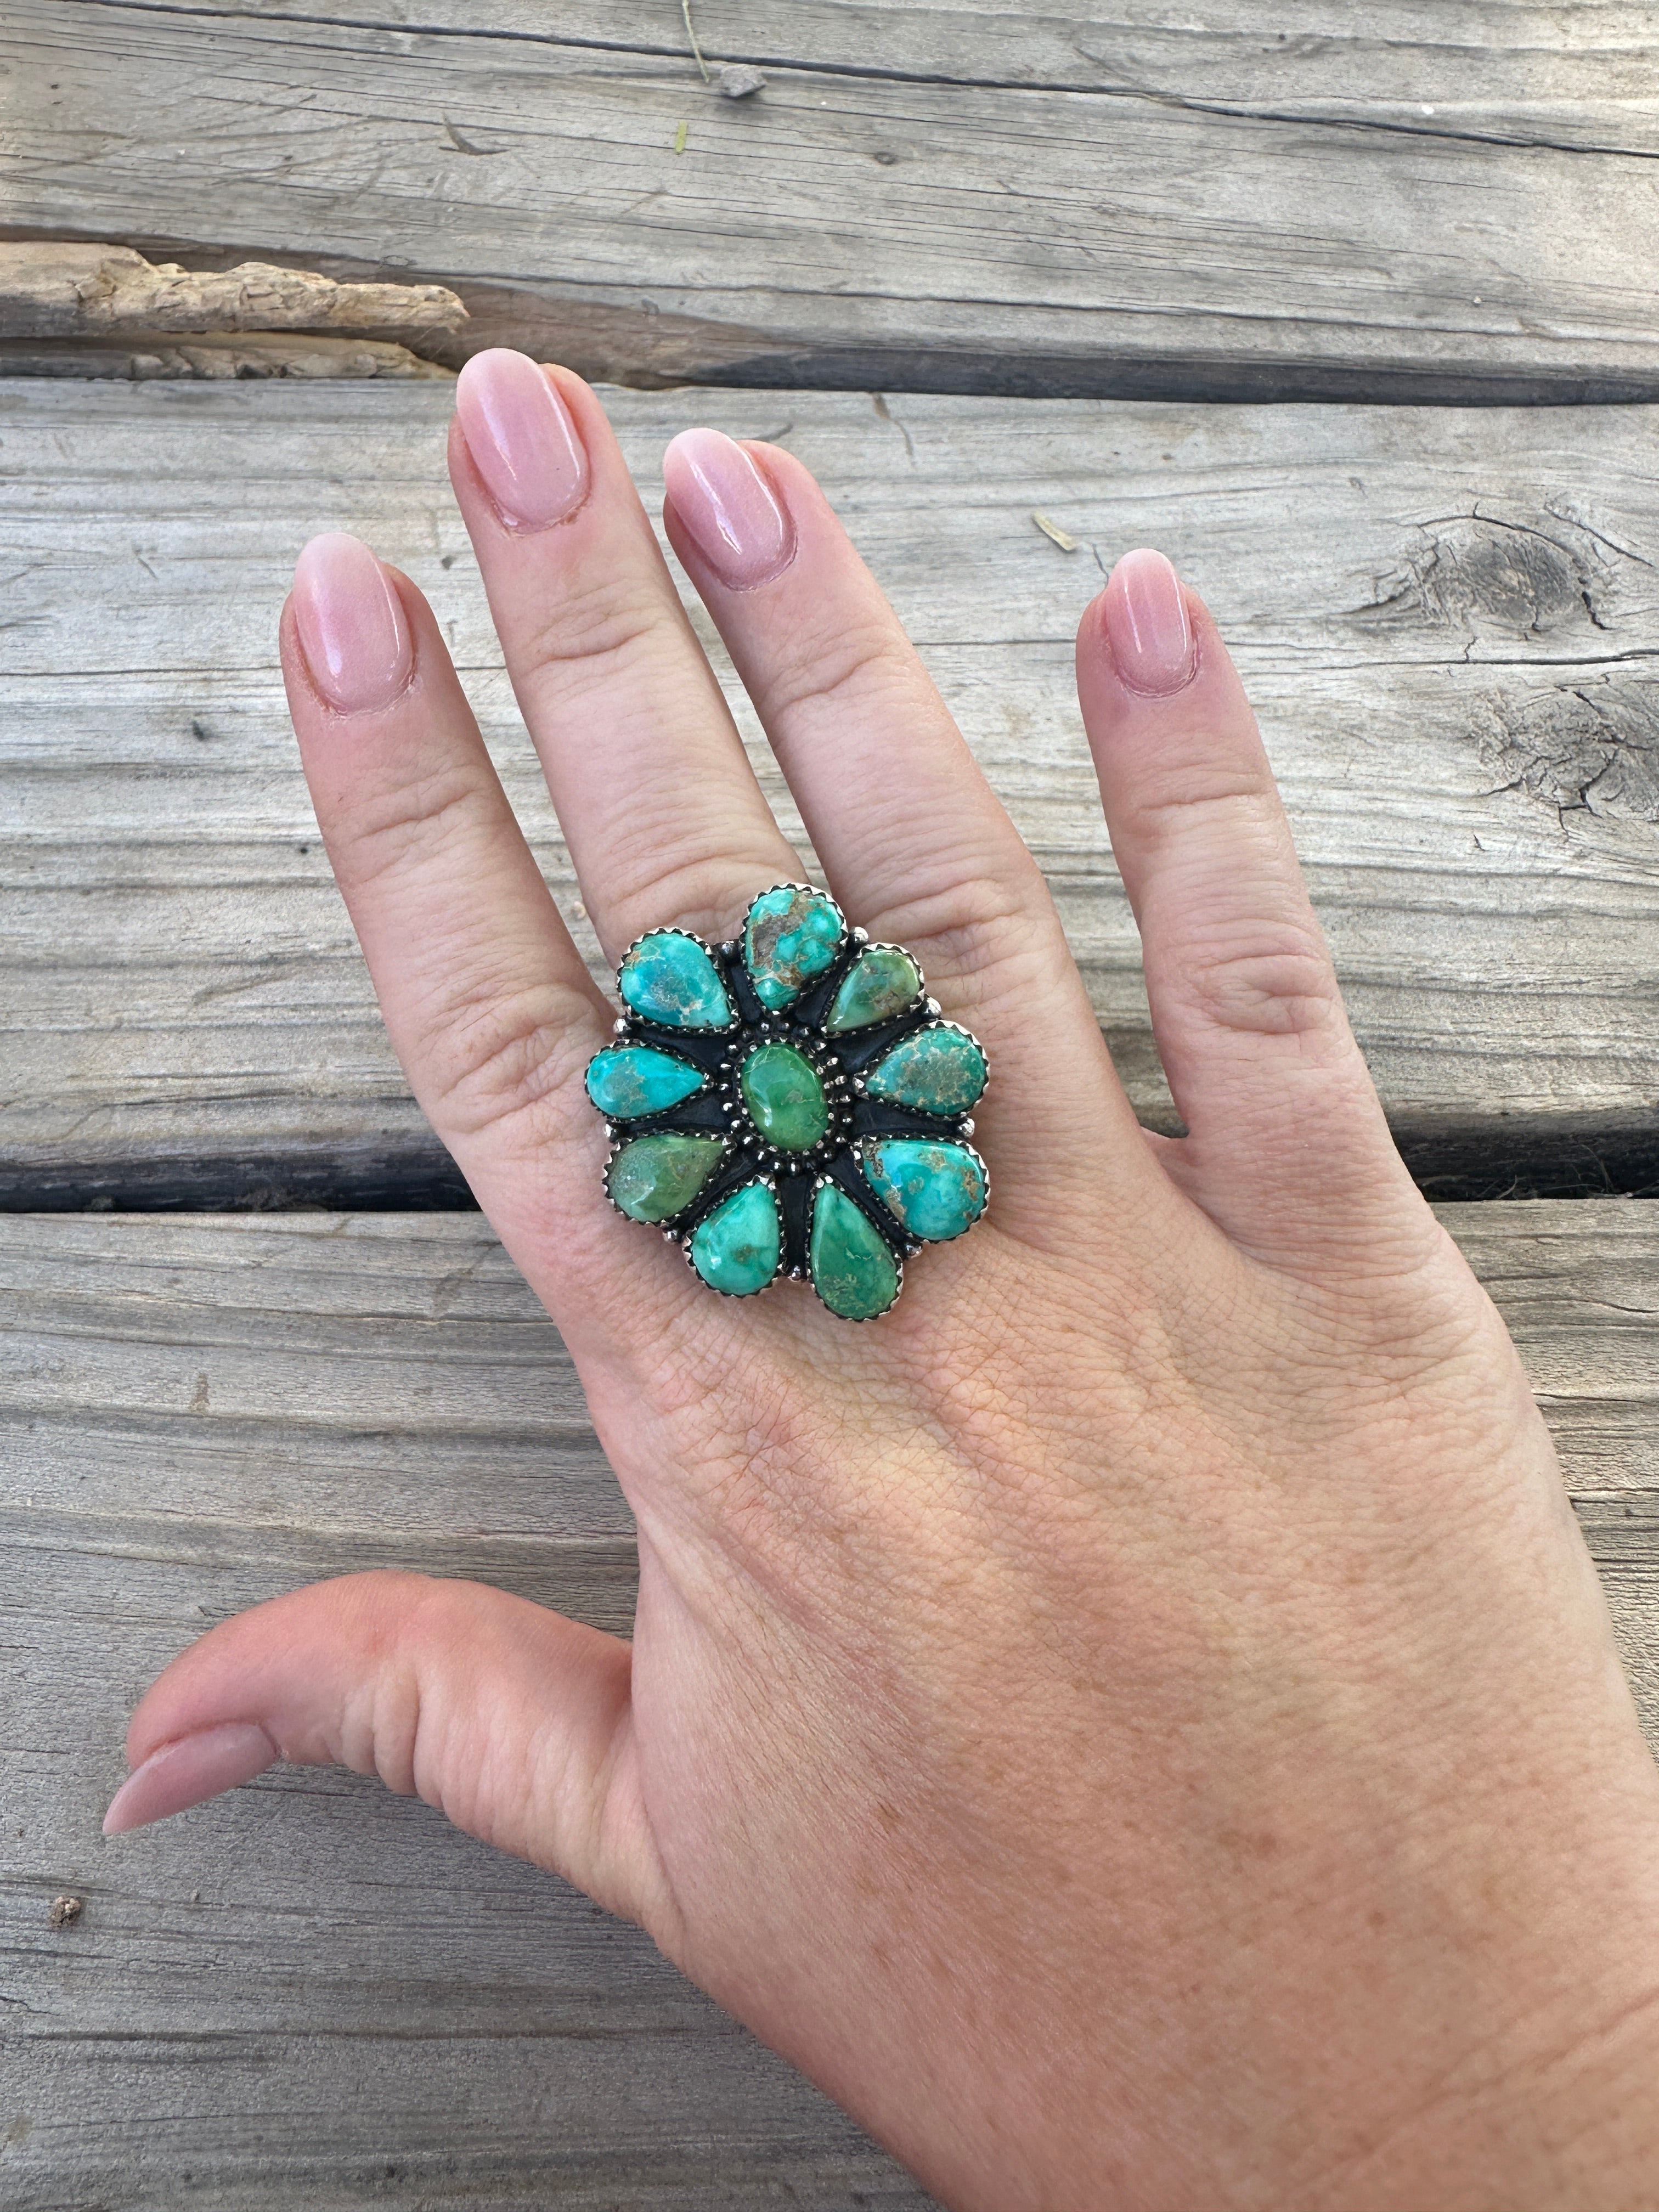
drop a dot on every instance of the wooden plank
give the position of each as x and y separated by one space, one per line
321 1992
1448 620
149 354
1428 201
314 1994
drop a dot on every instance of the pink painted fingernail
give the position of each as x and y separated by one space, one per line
741 527
1145 612
351 625
189 1770
521 438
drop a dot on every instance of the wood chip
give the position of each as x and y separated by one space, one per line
1052 531
71 290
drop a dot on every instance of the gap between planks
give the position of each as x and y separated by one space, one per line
1449 623
1431 205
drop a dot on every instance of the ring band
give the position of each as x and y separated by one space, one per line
791 1103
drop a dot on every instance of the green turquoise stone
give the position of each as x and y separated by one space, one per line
636 1079
738 1248
668 977
790 935
654 1178
935 1191
853 1267
785 1097
880 983
939 1069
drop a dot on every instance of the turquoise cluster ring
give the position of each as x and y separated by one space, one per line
790 1103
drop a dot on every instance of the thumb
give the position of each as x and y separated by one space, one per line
515 1723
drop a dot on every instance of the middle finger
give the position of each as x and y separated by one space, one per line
663 818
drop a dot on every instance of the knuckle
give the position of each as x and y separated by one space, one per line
1273 982
968 920
826 670
415 816
1202 798
596 629
702 890
493 1055
972 930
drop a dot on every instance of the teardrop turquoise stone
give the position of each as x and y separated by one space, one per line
654 1178
789 936
880 983
636 1079
785 1097
939 1069
933 1190
852 1268
737 1248
668 977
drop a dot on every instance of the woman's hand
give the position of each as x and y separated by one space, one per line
1137 1723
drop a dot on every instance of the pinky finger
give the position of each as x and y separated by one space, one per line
1288 1148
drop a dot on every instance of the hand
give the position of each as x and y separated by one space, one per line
1136 1724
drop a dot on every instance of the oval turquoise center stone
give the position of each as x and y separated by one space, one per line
940 1069
654 1178
853 1270
785 1097
790 935
738 1248
668 977
934 1190
881 981
636 1079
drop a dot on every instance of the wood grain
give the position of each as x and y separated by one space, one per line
147 356
1430 202
315 1994
67 290
1447 621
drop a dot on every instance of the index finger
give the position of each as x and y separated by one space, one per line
487 1002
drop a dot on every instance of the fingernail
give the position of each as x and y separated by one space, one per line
351 625
521 438
741 527
188 1771
1147 624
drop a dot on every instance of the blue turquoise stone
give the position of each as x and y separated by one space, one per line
852 1266
880 983
653 1178
668 977
933 1190
789 936
738 1248
636 1079
940 1070
785 1097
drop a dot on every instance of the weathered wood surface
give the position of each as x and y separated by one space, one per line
69 290
313 1993
1429 198
1448 620
104 312
317 1993
148 355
